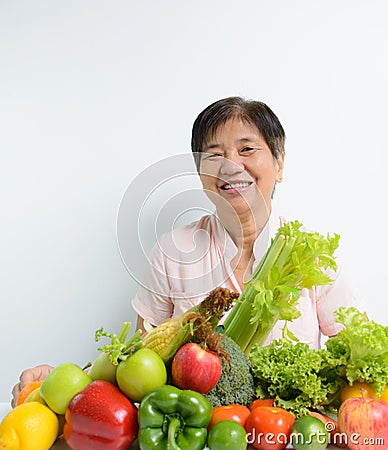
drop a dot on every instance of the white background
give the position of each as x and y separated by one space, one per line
93 92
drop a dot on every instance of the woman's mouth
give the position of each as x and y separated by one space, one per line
237 186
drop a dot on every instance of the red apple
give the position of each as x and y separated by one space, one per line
196 368
365 423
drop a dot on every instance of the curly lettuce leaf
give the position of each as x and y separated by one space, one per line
360 349
297 377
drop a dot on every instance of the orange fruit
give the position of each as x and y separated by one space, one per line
359 389
26 391
384 395
35 396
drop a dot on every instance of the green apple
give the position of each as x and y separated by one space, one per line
140 374
103 369
62 384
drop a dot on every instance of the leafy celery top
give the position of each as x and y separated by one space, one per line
295 260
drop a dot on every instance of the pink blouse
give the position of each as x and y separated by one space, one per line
187 263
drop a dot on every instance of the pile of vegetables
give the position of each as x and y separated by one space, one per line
189 383
299 378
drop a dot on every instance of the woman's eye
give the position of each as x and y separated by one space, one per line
212 155
246 149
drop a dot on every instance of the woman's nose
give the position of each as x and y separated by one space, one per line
231 166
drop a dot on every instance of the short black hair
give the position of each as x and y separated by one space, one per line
250 111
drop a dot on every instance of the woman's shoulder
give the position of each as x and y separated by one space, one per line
185 237
207 223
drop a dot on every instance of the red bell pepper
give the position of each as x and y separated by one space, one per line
100 418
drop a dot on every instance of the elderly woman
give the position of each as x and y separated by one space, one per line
238 146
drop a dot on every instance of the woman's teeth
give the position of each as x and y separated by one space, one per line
235 186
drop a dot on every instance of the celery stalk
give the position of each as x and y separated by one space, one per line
295 260
119 348
237 323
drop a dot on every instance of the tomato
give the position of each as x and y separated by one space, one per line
140 374
356 390
227 434
261 402
236 413
269 427
309 433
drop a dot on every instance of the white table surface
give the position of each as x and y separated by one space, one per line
5 407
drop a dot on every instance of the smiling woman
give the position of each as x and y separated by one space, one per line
238 147
239 167
239 171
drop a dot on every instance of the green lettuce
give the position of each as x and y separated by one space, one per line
360 349
295 376
300 379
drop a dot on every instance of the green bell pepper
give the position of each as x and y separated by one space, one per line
173 419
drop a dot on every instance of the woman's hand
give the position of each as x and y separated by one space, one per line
27 376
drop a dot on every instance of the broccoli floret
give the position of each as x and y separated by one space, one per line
236 382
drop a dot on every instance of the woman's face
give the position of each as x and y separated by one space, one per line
238 169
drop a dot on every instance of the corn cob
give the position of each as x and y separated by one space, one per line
166 338
170 335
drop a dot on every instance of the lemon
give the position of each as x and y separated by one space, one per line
29 426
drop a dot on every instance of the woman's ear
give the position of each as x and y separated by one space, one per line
279 174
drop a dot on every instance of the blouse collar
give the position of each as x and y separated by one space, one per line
262 241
